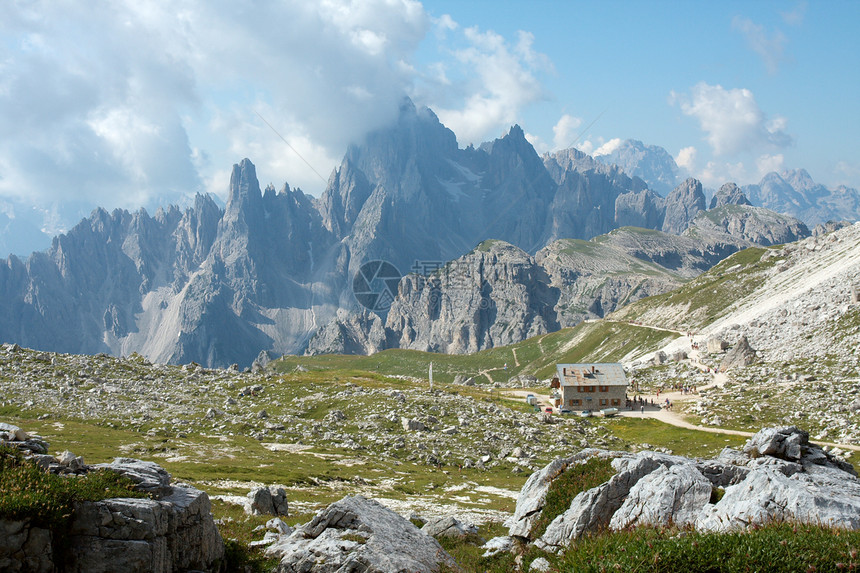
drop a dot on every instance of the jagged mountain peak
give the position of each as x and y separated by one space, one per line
729 194
244 187
651 163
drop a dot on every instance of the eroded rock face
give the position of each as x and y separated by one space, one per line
174 533
170 531
358 534
670 494
741 355
779 476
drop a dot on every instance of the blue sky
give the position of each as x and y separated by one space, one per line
128 103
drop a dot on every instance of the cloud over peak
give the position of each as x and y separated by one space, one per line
731 119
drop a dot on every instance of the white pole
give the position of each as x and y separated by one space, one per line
431 376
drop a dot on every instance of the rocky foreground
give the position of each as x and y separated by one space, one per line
778 477
170 530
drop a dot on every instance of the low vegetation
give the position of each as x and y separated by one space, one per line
573 480
27 491
775 548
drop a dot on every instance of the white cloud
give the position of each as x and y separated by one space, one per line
128 104
769 47
686 159
716 173
608 147
795 17
502 81
586 146
731 119
564 131
113 104
768 163
539 144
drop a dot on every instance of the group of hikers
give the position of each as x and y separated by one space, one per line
640 402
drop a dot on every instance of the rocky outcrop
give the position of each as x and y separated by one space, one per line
173 533
739 356
780 476
361 332
358 534
729 194
449 526
682 206
171 530
755 225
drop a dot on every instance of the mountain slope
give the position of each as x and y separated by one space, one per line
797 300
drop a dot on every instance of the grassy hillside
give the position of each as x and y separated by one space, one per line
592 341
708 296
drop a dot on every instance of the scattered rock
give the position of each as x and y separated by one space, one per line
271 500
358 534
498 545
779 476
738 357
449 526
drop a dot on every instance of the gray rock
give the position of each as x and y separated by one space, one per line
11 432
25 548
271 500
411 425
277 524
825 496
449 526
147 476
729 194
716 345
175 533
532 496
738 357
668 495
498 545
540 564
682 206
358 534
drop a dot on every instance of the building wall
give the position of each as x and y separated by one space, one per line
601 397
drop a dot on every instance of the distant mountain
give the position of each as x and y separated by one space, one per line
272 269
499 294
651 163
794 192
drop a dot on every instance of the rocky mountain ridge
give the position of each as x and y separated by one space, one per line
273 268
790 191
498 294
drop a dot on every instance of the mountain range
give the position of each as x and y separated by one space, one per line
538 243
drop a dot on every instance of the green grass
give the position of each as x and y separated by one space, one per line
572 481
682 441
709 295
775 548
537 356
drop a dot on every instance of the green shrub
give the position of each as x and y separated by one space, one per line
775 548
573 480
29 492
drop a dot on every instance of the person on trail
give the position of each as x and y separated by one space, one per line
642 409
